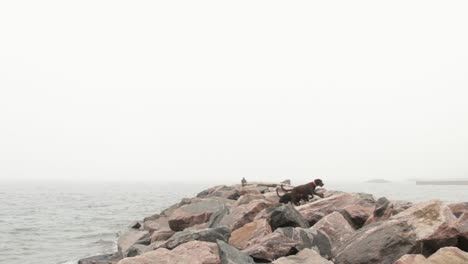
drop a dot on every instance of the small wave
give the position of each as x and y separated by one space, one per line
97 235
69 262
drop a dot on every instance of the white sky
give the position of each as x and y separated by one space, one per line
204 90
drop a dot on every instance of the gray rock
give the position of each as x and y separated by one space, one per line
231 255
243 214
423 228
127 240
284 216
207 235
335 226
136 250
135 225
101 259
308 238
195 213
271 247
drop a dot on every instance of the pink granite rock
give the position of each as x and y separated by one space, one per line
194 252
271 247
335 226
249 233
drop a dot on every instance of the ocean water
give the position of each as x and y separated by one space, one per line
58 223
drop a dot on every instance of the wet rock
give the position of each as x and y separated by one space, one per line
249 233
135 225
101 259
308 238
283 216
423 228
127 240
335 226
207 235
194 252
194 213
358 207
271 247
243 214
231 255
458 208
305 256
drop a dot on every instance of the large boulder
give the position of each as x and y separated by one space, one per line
305 256
412 259
383 210
444 255
423 228
359 212
249 233
231 255
194 252
335 226
271 247
307 238
198 212
283 216
155 224
228 192
207 235
462 227
101 259
357 207
127 240
161 235
243 214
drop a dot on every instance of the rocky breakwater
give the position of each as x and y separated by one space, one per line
246 224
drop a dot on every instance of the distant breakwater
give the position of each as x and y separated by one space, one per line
246 224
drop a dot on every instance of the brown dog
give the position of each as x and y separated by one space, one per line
286 198
301 191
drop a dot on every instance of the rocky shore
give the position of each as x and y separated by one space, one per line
246 224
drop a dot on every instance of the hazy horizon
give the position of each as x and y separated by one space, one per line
217 91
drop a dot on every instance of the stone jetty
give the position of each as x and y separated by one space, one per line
246 224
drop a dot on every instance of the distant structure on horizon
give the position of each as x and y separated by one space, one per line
378 181
446 182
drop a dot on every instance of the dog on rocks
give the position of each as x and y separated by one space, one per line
300 192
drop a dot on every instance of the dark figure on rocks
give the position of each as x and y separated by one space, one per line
243 181
286 198
302 192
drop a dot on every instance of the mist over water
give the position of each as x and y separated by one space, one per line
59 222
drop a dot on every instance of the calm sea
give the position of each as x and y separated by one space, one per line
56 223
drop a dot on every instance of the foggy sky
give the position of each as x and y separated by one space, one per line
204 90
